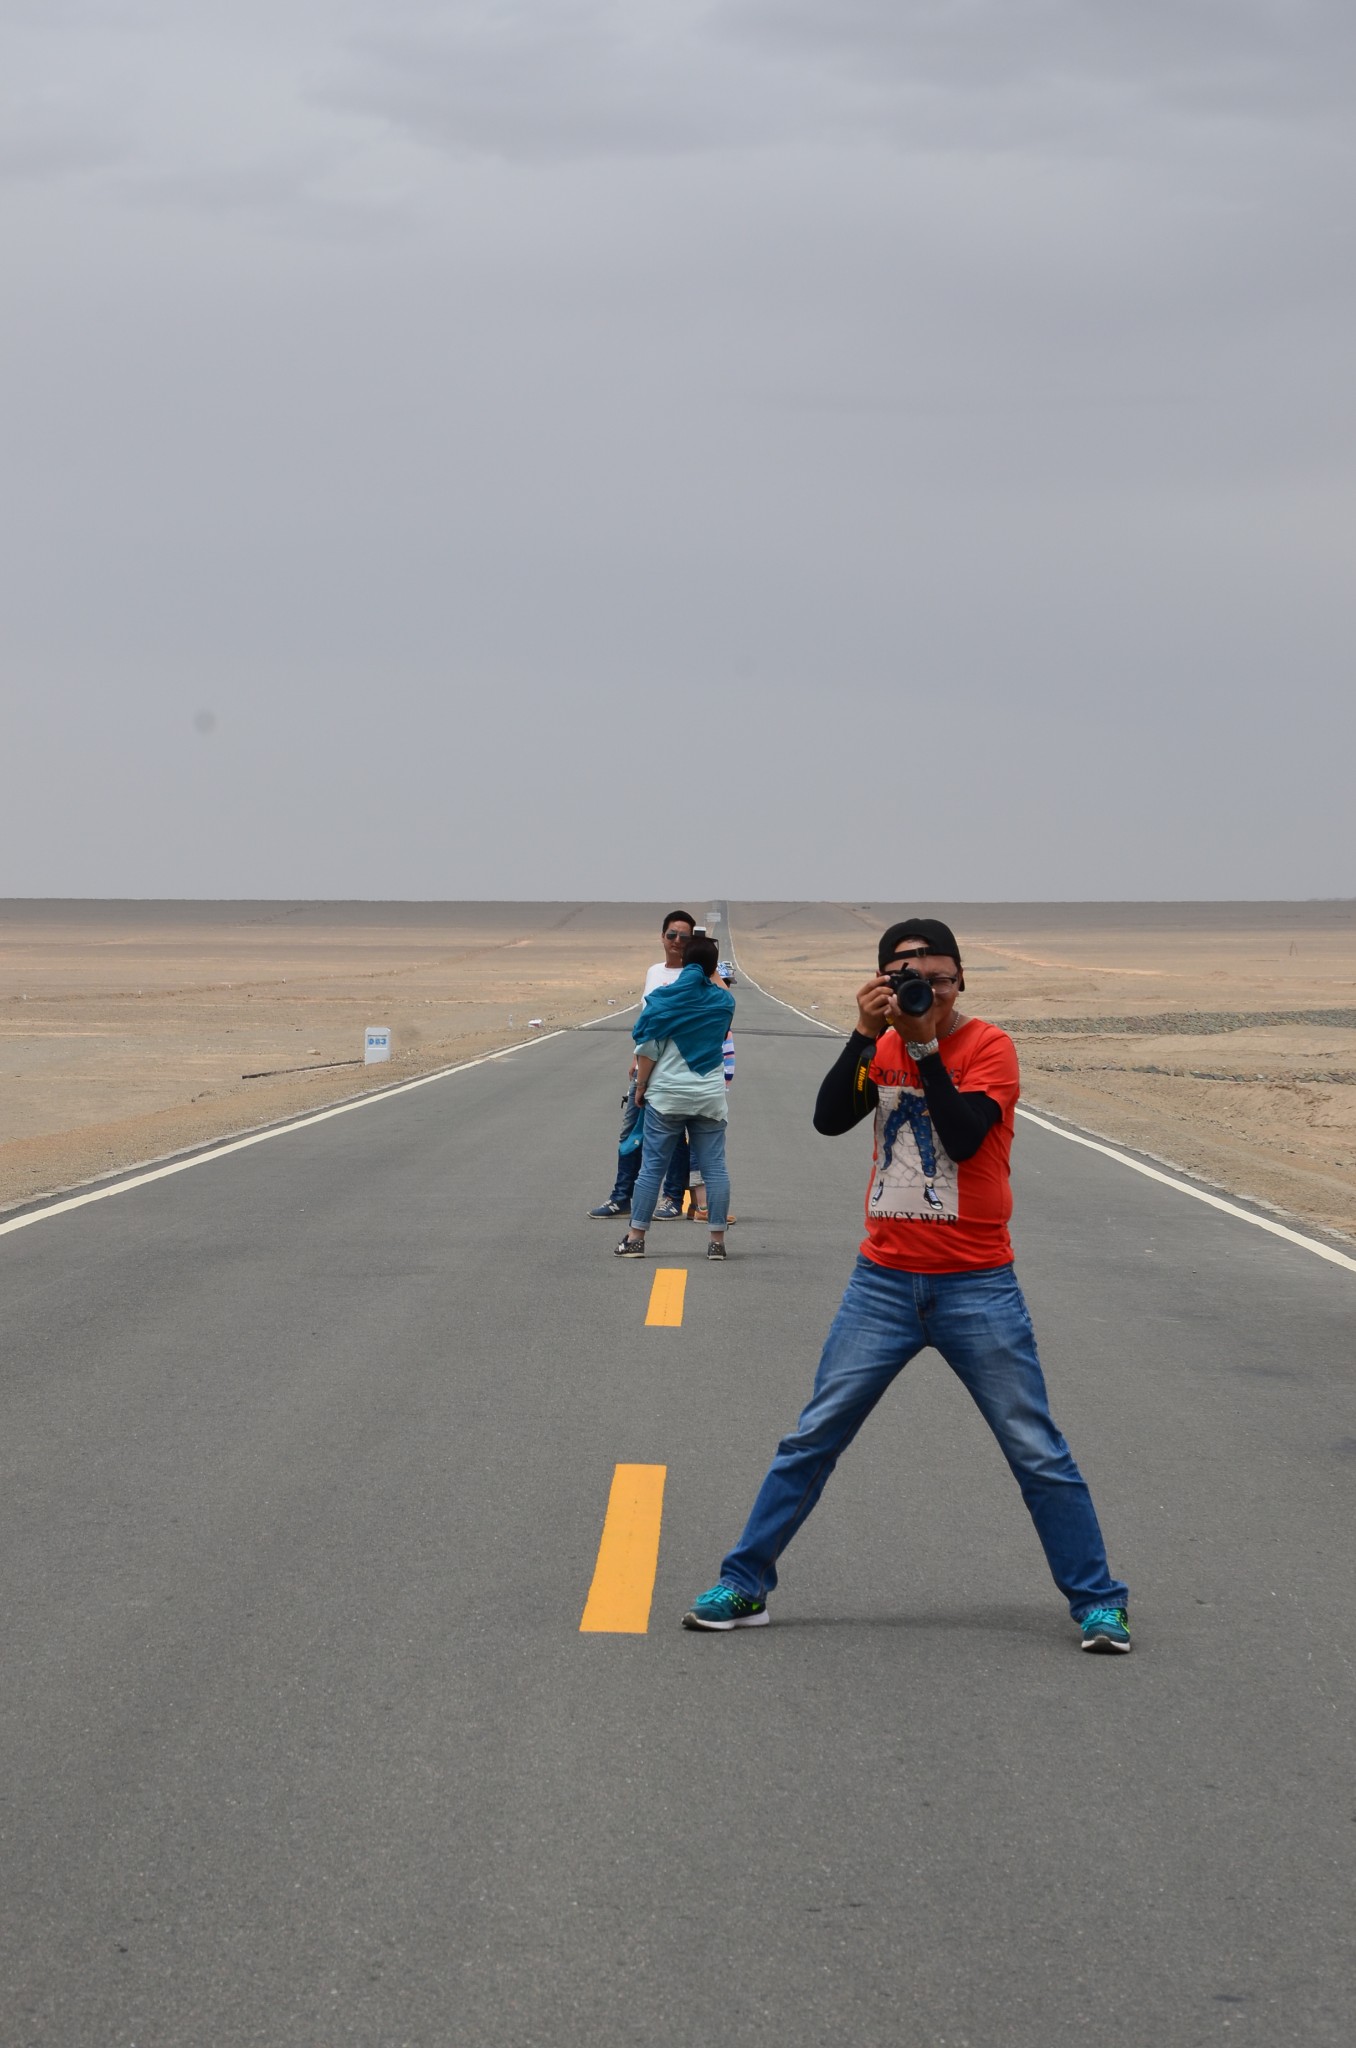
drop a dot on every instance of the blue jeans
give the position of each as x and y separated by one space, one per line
706 1135
628 1163
979 1323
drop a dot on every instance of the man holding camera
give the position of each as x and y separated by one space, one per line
934 1269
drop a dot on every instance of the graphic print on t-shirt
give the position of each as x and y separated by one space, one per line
913 1177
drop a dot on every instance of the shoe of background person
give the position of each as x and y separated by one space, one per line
1106 1628
631 1248
666 1210
723 1608
715 1248
610 1208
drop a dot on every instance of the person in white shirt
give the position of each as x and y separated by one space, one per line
676 929
680 1078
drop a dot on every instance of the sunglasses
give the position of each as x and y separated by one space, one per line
677 933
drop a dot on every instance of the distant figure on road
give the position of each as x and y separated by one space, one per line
680 1079
676 929
935 1268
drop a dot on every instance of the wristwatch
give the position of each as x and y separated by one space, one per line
921 1049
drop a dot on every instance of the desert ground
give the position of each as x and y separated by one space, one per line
126 1029
1218 1037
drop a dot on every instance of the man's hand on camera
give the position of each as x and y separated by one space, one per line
877 1011
872 998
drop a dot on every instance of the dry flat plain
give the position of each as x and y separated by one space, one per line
126 1028
1220 1037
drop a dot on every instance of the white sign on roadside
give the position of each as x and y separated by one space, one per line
376 1044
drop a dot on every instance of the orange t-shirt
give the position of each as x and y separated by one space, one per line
925 1213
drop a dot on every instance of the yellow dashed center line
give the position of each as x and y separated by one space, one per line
666 1298
628 1555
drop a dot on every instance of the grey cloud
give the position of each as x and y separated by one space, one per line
560 78
264 185
540 82
440 393
42 151
1238 56
308 197
48 133
203 107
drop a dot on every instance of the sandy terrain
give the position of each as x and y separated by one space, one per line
1220 1037
126 1028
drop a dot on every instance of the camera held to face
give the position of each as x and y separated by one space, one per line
912 992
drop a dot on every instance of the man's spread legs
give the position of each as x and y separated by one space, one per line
980 1324
873 1336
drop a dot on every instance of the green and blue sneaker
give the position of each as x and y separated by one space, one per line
1106 1628
723 1607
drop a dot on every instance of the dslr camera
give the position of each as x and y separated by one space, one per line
912 992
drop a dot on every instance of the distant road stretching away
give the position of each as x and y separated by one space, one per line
311 1466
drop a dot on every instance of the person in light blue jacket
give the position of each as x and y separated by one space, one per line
680 1039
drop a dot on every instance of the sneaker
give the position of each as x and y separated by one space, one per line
715 1248
667 1210
1106 1628
631 1248
610 1208
724 1608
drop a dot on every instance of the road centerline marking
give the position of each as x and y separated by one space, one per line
665 1311
628 1554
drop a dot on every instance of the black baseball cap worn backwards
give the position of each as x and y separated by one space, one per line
939 938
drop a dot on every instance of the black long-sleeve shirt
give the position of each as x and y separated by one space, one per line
847 1094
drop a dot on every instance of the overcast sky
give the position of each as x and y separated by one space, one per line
883 448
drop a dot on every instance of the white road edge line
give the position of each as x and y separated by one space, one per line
319 1116
788 1006
1183 1187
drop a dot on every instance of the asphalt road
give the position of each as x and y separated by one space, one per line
305 1459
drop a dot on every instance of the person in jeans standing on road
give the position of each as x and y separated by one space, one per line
935 1268
676 930
680 1080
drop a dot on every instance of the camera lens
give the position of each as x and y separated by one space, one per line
912 993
